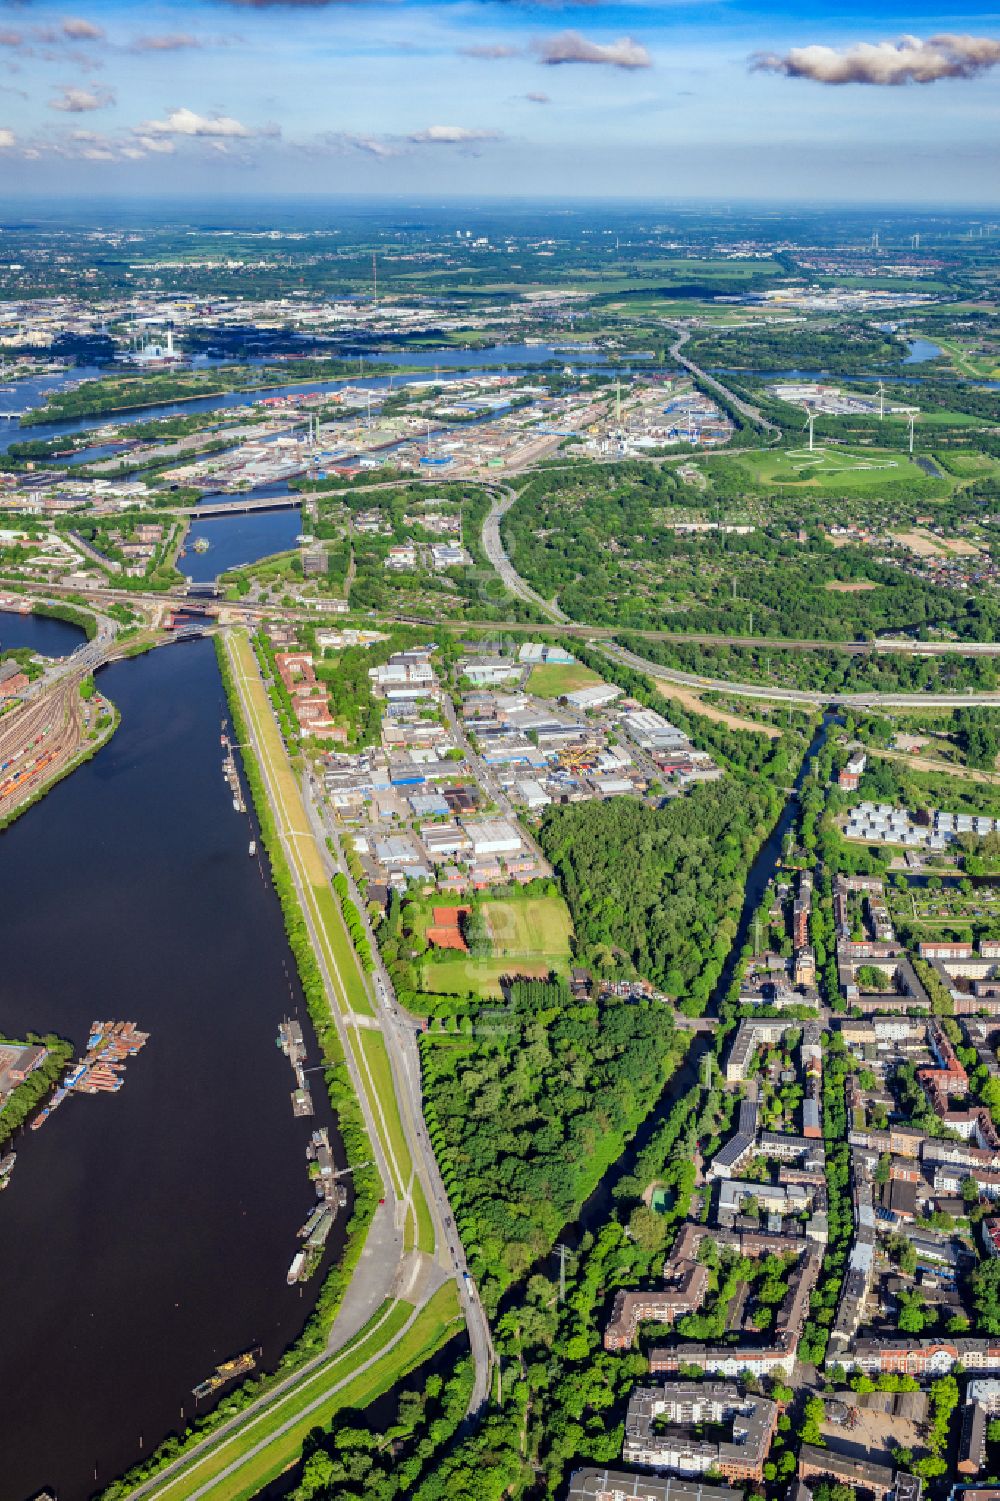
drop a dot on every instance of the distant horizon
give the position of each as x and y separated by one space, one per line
434 197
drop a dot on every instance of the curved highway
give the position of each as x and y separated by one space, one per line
493 547
970 700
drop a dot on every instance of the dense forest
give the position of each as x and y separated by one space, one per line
529 1107
354 1459
660 889
846 348
605 545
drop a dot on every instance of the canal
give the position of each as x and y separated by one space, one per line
146 1235
598 1206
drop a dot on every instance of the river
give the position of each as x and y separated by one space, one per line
234 541
452 362
146 1235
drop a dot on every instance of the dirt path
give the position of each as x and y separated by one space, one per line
698 706
928 763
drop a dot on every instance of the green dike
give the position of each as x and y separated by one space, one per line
373 1047
332 934
234 1447
425 1225
355 990
431 1328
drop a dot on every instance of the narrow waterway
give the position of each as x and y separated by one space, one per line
597 1208
146 1235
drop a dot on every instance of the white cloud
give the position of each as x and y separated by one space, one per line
571 47
170 41
453 135
490 51
7 139
77 101
184 122
161 145
81 30
886 64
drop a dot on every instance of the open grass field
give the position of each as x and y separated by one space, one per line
839 469
478 977
537 927
551 680
968 362
531 936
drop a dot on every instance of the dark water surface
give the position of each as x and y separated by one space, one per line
53 638
234 541
145 1235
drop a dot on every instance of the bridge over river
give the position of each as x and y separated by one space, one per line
240 505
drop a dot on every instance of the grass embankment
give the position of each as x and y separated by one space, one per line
845 470
242 1463
336 952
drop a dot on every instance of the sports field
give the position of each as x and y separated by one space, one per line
534 927
530 936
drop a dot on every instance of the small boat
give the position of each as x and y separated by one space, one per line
6 1168
297 1268
228 1370
253 847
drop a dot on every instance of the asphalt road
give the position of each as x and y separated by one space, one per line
494 549
400 1030
743 407
800 695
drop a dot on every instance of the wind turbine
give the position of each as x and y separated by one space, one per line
881 401
912 420
810 420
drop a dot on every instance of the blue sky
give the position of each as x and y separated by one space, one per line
501 97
